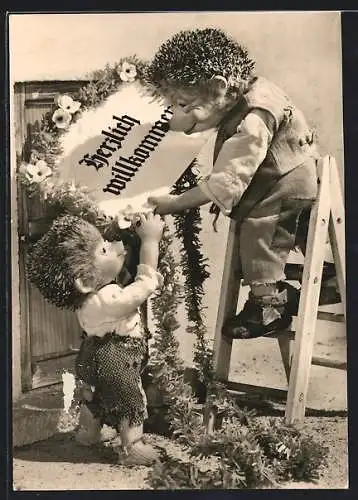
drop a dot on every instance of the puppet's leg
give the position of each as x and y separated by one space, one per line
123 400
266 238
89 430
135 451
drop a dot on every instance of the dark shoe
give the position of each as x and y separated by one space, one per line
261 316
328 296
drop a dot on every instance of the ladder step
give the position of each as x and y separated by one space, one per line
280 394
316 360
328 316
268 392
288 334
329 363
321 315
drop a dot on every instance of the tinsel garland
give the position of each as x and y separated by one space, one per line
194 269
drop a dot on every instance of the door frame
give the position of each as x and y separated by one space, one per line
20 135
22 94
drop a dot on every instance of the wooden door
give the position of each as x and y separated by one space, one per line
48 334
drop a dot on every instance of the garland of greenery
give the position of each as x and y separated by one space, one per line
194 268
243 447
39 172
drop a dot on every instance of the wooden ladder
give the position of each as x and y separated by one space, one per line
327 216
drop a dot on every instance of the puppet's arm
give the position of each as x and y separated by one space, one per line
120 302
237 162
168 204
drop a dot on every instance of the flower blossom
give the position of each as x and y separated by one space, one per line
66 103
128 72
37 172
61 118
125 217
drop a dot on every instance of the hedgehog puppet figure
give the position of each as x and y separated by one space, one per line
75 268
259 169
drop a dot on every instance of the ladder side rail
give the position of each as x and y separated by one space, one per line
228 298
309 299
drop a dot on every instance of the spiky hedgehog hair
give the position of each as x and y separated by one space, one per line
62 254
192 57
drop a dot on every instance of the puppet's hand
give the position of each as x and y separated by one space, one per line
150 227
163 204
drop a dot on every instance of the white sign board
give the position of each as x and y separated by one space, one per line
122 150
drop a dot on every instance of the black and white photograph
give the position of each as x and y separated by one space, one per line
178 260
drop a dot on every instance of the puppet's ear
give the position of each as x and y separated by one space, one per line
219 83
81 287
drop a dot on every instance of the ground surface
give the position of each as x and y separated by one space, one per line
59 463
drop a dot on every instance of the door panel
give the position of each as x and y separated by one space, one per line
47 332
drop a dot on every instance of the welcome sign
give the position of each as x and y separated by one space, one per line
123 151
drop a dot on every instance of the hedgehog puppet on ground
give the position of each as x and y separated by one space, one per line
75 268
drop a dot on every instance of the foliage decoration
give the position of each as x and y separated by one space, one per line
42 179
245 453
194 268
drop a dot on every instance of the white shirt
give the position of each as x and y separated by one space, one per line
116 309
237 162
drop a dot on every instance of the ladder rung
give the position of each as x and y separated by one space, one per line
321 315
316 360
268 392
328 316
329 363
288 334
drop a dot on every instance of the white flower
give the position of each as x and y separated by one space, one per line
125 218
61 118
128 72
66 103
123 222
37 172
